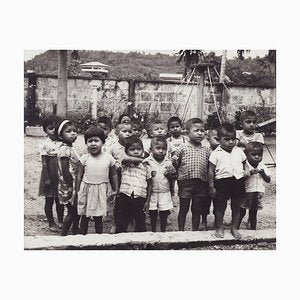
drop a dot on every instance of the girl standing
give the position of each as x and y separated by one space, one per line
68 164
97 168
49 176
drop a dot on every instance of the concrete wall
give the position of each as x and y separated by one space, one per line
152 99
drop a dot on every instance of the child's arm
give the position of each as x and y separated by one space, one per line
211 179
265 177
149 190
130 159
79 177
113 177
65 170
172 187
45 169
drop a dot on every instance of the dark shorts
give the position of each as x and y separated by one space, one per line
229 188
189 188
252 201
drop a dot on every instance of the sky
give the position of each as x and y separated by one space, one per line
29 54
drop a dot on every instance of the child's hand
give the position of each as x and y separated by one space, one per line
261 171
146 162
111 196
146 207
213 192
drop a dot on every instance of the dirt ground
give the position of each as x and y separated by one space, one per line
35 222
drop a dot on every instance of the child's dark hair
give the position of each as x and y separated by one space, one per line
50 120
246 114
61 126
173 119
254 146
191 122
158 139
137 122
105 120
131 141
94 131
225 129
122 116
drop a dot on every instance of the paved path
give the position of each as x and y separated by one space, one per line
145 240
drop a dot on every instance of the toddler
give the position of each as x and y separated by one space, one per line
256 174
68 164
163 175
105 124
176 137
49 176
93 178
191 161
226 178
134 190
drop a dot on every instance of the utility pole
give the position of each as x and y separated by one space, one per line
223 66
62 84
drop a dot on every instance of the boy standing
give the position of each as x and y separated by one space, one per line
226 178
191 161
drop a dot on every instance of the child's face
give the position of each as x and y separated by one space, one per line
196 133
254 157
249 124
94 145
135 150
159 151
124 132
158 130
213 139
228 141
175 129
69 134
125 120
106 129
50 131
136 130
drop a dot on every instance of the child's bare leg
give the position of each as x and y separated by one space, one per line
253 218
203 224
59 212
219 224
49 213
235 209
163 216
196 212
98 224
242 215
84 224
183 210
68 220
76 219
153 219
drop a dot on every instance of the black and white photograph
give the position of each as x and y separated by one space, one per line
150 149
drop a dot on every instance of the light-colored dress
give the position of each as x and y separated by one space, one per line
65 190
92 196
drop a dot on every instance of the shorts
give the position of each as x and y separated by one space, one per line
229 188
189 188
252 201
160 201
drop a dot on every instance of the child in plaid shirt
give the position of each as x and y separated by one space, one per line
135 189
191 161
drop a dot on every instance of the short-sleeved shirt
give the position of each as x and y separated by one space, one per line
228 164
255 182
192 161
49 147
69 152
160 182
110 140
134 180
96 169
255 137
117 151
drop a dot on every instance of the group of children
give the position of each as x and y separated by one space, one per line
137 177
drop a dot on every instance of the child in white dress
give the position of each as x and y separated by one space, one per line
97 167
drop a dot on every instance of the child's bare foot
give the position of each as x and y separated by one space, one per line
235 233
113 229
248 224
227 223
203 227
54 228
219 233
60 224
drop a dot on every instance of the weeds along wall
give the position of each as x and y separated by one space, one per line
150 99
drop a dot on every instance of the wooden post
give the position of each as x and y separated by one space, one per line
200 91
62 84
94 84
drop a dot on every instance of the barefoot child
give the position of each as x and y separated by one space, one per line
226 178
49 176
257 174
135 188
163 175
93 178
191 161
68 164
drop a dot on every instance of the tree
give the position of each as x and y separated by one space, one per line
190 57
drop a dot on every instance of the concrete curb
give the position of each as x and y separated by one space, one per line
145 240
